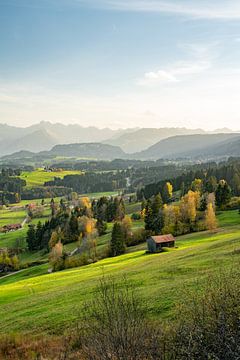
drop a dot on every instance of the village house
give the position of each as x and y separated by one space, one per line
157 243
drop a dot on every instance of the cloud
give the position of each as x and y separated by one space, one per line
205 9
160 76
200 63
174 74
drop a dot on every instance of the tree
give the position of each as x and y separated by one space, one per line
119 209
157 204
101 227
53 207
210 218
148 216
188 207
167 192
73 226
127 228
31 238
56 257
197 185
53 240
223 193
39 233
211 184
117 244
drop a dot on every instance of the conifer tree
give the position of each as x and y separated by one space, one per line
223 193
148 216
117 244
31 238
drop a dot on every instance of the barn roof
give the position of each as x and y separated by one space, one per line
163 238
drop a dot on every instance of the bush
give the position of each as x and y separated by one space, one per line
136 216
234 204
209 326
138 237
115 327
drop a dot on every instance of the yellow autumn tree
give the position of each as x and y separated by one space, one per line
87 226
169 219
210 218
197 185
188 206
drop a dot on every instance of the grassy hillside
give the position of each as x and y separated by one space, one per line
34 302
38 177
9 216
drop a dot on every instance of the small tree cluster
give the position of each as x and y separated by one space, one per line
8 263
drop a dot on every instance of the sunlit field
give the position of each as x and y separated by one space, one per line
42 302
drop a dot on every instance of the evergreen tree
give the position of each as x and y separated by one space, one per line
53 207
223 194
101 227
31 238
73 225
117 244
211 184
148 216
158 223
39 234
157 204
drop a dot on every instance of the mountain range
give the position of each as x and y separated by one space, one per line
47 140
44 135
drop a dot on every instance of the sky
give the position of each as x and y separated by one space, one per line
120 63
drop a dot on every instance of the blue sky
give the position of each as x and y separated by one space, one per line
120 63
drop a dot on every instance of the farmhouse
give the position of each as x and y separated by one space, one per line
156 243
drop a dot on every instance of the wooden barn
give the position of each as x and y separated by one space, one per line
156 243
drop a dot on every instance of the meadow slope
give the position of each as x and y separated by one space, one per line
35 302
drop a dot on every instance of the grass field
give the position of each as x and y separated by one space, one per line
8 216
38 177
33 301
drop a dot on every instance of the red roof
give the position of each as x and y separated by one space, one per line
163 238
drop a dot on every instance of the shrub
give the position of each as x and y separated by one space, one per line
138 237
209 326
136 216
115 326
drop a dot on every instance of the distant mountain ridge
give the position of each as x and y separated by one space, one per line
47 139
142 139
192 146
43 136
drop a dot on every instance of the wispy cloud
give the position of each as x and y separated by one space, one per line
174 74
205 9
200 62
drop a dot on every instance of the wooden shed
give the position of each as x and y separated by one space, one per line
156 243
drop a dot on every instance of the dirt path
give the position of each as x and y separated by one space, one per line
13 273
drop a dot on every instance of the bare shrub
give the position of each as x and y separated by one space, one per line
209 325
115 327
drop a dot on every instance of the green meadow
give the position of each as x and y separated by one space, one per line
33 301
38 177
9 216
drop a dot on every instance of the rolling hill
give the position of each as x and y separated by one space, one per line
88 150
192 146
141 139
